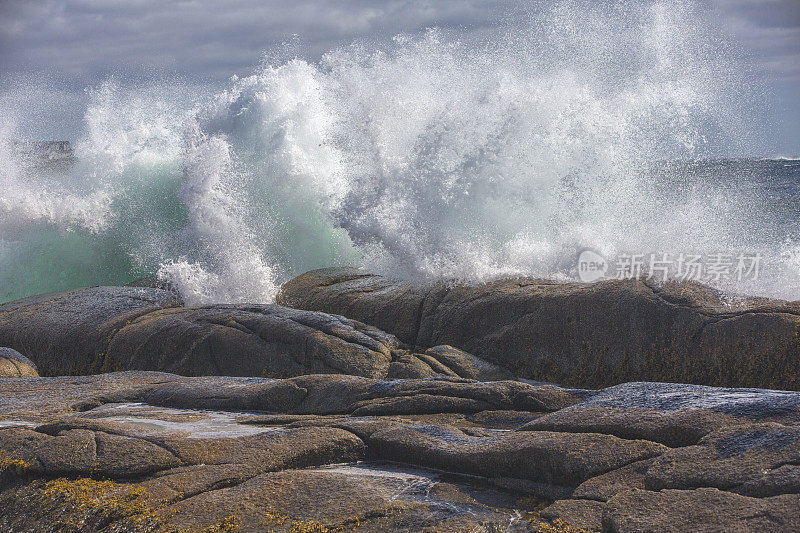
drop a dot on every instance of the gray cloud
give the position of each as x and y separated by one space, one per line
80 38
769 33
51 50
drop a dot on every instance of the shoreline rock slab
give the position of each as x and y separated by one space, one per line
540 456
331 394
148 451
729 458
671 413
585 335
700 510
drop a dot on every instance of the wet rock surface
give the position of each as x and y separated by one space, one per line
148 451
583 335
104 329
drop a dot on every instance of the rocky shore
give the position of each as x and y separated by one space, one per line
588 335
362 403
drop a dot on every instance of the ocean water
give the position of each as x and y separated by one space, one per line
437 155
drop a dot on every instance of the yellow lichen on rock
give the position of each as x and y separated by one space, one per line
274 519
533 515
82 492
104 499
226 524
559 526
307 527
10 465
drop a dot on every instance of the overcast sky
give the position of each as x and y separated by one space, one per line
50 51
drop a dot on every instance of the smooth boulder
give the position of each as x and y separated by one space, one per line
69 333
578 334
103 329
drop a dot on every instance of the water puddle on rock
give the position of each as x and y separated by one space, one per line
187 423
448 496
16 423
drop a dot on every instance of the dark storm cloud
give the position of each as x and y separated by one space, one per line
53 49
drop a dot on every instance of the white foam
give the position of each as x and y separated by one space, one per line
436 155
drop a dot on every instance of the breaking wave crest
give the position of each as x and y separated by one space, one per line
434 155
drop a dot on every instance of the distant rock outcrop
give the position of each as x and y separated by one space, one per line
575 333
43 151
